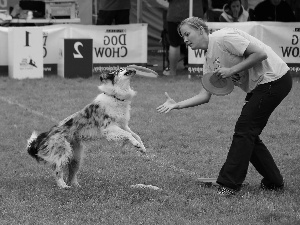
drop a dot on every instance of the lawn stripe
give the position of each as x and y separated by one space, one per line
12 102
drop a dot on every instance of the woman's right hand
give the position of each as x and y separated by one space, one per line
168 105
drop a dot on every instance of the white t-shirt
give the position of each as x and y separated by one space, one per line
226 48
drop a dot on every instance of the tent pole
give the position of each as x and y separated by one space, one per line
139 13
191 8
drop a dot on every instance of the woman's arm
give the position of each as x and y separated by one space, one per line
201 98
253 55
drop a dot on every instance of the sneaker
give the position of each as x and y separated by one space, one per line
271 187
226 192
167 72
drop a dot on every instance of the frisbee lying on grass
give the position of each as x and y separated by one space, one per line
143 71
145 186
208 181
216 85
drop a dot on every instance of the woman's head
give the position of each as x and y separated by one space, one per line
194 32
235 7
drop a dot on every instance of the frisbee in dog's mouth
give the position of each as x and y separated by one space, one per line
143 71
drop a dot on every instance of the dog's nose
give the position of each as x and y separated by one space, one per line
131 71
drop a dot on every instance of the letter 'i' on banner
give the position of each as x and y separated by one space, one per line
76 58
25 52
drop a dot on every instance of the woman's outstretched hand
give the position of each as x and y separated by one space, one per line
168 105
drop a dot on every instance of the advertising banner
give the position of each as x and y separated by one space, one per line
52 36
284 39
115 45
121 45
3 46
25 55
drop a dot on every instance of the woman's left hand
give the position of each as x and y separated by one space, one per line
223 72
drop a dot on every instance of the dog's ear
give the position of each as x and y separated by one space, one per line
102 77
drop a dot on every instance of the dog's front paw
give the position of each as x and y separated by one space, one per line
63 185
142 148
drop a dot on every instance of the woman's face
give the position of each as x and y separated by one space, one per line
235 8
195 39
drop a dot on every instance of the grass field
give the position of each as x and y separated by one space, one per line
184 146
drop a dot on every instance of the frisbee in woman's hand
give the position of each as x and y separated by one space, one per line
216 85
143 71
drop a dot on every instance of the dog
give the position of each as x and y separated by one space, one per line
106 117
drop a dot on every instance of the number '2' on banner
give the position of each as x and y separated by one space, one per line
76 58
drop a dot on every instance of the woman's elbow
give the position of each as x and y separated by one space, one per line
206 98
263 55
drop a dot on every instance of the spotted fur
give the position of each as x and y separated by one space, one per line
106 117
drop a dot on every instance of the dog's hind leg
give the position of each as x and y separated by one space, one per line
59 176
58 154
74 164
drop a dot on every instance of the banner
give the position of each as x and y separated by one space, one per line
283 38
120 45
115 45
25 55
112 45
52 35
3 46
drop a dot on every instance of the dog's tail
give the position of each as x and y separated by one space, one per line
32 147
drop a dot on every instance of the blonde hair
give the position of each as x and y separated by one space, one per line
194 22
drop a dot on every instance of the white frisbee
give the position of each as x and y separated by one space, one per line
143 71
144 186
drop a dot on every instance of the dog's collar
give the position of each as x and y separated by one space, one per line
114 97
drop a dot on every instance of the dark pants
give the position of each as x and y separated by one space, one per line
116 16
246 145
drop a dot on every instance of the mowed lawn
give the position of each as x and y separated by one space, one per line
182 146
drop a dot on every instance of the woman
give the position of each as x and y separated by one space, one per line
264 76
233 11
